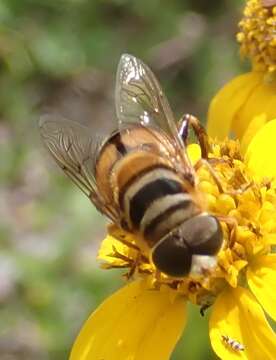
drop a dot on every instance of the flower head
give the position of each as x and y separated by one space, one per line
257 36
145 319
249 98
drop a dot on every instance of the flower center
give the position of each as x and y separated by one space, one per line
246 210
257 36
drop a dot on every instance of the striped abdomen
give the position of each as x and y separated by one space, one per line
155 203
145 187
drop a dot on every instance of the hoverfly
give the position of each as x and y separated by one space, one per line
140 175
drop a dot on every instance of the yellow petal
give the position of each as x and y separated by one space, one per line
118 248
270 238
261 101
237 314
261 277
253 127
106 251
261 152
226 105
132 324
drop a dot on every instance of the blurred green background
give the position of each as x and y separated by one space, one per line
62 56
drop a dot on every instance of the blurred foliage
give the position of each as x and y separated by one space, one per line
62 56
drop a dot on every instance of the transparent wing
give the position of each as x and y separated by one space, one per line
140 100
75 151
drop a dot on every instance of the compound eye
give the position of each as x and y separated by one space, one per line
202 234
172 256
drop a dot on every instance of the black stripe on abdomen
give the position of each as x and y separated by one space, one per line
136 177
149 193
151 228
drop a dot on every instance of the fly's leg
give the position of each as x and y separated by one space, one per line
183 131
204 162
208 165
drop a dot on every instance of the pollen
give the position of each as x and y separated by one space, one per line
257 35
245 208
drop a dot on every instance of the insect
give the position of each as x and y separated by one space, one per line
140 175
234 344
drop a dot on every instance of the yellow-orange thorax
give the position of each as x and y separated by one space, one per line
126 154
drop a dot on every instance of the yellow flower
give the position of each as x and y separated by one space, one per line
249 100
144 320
